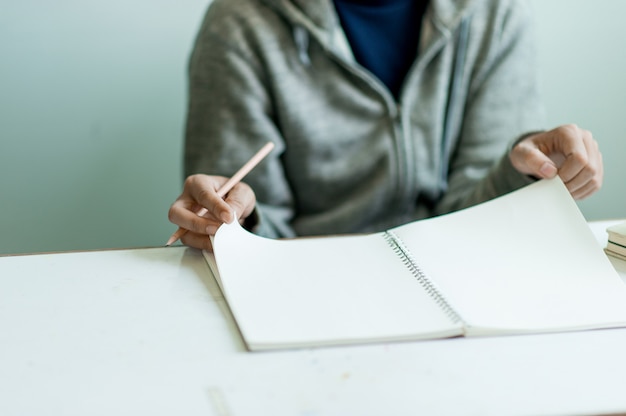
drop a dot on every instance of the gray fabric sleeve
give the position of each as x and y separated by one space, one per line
504 97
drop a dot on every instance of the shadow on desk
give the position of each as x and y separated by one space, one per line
189 260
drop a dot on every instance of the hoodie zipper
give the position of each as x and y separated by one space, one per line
406 182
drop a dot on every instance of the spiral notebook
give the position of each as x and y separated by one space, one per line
523 263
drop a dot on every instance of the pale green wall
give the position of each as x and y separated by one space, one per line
583 67
92 105
91 115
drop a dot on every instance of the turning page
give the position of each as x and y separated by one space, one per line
524 262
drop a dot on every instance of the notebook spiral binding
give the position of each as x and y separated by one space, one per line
407 258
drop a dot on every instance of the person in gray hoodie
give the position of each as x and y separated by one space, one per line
460 124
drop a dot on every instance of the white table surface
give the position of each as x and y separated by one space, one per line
147 332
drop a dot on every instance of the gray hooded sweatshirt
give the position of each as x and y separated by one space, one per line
349 157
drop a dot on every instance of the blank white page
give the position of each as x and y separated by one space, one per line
526 261
322 291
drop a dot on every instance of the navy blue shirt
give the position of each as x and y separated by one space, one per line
383 35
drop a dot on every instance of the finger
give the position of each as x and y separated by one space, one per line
590 178
199 241
184 214
241 200
530 160
570 141
585 191
203 189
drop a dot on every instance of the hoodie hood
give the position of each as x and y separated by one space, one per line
320 15
316 15
318 19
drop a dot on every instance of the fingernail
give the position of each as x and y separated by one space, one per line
547 170
225 217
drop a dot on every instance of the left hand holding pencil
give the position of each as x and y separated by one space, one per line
201 191
209 201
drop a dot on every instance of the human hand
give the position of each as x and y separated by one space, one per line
201 191
567 151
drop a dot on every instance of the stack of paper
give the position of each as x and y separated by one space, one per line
616 245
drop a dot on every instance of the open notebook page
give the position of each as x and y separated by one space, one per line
525 261
322 291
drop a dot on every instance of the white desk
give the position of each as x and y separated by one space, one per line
146 332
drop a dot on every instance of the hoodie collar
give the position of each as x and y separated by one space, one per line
317 13
318 18
321 12
445 14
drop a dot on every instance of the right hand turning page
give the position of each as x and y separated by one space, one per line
524 262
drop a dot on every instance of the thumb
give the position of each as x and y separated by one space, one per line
530 160
541 165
